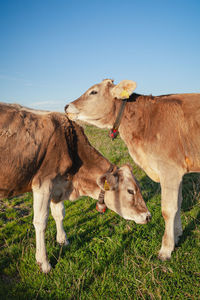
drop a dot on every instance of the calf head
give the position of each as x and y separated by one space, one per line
97 104
123 195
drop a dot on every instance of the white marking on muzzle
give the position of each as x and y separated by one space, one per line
71 109
143 218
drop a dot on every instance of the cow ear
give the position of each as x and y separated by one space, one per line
103 183
108 182
124 89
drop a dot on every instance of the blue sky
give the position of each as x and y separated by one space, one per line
52 51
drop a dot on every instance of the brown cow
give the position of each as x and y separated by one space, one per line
50 155
162 134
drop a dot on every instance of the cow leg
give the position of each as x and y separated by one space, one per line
41 212
170 210
178 226
58 213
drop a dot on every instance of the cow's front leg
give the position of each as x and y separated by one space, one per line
58 213
170 212
178 226
41 201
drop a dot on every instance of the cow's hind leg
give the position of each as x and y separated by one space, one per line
41 200
170 187
58 213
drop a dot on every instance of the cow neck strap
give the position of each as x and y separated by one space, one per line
101 207
114 131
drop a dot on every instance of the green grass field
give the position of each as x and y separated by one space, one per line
108 257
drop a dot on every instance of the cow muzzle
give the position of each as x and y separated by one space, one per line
148 217
71 112
145 218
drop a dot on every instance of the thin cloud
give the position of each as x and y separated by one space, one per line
42 103
49 105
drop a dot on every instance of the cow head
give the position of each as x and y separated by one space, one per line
123 195
98 104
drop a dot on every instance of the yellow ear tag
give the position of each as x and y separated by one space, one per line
106 186
124 94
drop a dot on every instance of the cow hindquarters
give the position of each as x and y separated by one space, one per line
58 213
171 198
41 200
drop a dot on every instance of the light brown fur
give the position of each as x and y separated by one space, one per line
162 134
48 154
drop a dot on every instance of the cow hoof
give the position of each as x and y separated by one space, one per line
64 242
164 256
62 239
44 267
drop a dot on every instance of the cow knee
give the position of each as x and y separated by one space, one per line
39 224
169 212
166 214
57 211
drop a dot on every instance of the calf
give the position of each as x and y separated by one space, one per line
50 155
162 135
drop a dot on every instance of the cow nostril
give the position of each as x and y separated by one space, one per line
66 107
148 218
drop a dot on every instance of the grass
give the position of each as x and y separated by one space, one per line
108 257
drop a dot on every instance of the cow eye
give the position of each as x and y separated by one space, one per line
132 192
93 92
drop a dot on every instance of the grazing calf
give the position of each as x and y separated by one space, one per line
50 155
162 135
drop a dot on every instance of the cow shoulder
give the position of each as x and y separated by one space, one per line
57 160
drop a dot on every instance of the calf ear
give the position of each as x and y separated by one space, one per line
124 89
108 182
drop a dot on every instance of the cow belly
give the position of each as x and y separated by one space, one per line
14 181
8 193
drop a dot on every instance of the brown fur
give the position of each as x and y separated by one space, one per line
36 147
162 134
167 127
150 123
50 155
